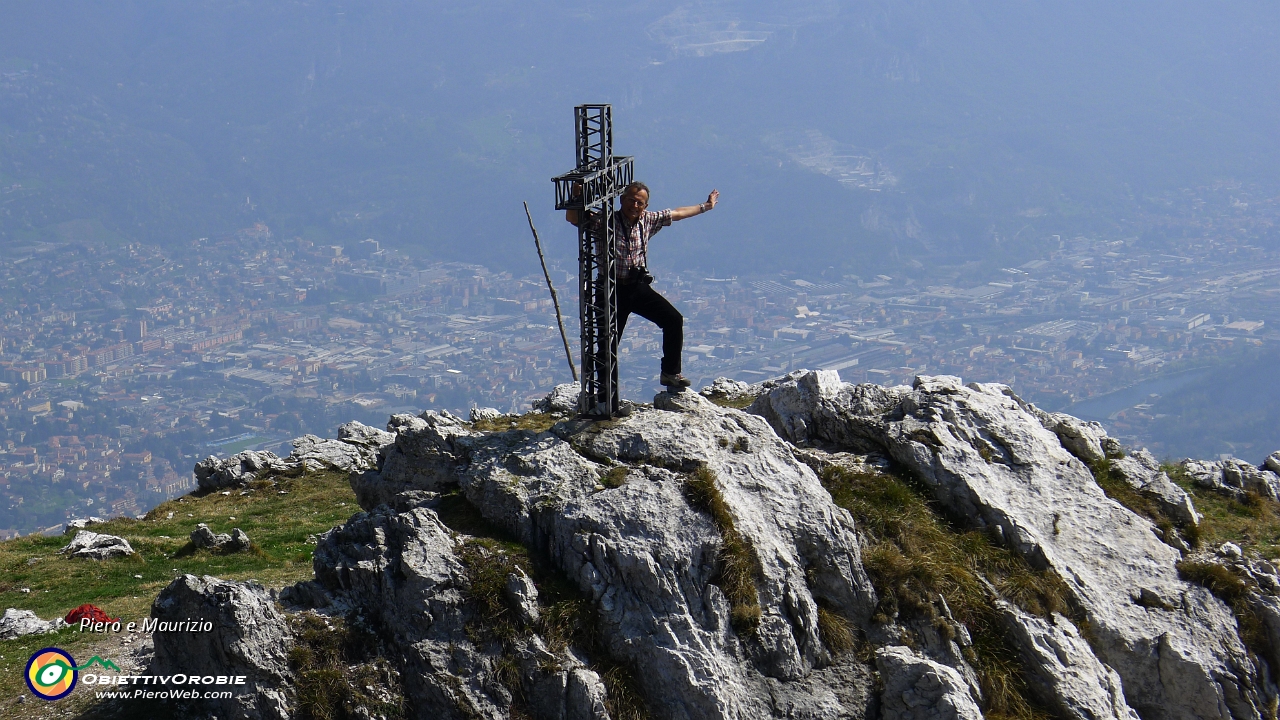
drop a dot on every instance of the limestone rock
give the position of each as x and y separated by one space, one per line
357 449
18 623
917 688
249 637
478 414
561 399
426 456
82 523
1272 462
203 537
1062 669
640 551
1233 477
402 570
522 595
1089 442
1082 439
238 470
1261 581
731 391
97 546
991 461
357 433
1142 471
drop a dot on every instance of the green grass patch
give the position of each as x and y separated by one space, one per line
739 565
914 556
278 524
1250 521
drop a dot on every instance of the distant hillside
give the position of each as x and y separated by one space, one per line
849 135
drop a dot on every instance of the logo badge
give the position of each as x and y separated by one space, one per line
51 674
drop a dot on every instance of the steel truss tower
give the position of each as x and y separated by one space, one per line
592 187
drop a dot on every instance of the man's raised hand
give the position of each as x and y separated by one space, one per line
713 198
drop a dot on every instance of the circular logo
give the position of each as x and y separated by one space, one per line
51 673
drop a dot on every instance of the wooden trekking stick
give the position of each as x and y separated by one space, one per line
568 354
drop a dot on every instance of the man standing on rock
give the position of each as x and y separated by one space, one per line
633 227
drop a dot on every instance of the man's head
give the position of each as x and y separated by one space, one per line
635 200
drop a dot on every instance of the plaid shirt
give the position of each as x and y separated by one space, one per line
633 240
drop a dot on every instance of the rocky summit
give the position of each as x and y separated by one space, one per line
797 548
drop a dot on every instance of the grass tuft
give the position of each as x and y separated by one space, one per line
614 477
739 565
489 563
336 671
836 632
914 556
624 699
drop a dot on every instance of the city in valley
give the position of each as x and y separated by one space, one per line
123 365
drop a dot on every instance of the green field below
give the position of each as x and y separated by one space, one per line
279 519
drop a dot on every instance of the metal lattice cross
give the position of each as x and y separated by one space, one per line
592 187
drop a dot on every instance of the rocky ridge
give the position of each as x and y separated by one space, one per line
711 573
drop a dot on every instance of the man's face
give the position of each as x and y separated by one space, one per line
634 202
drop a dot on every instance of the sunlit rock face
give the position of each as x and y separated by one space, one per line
717 575
987 457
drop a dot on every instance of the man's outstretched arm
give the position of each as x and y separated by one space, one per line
689 211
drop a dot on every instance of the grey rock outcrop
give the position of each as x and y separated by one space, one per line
479 414
1259 587
1233 478
1062 669
640 551
561 399
426 455
357 448
917 688
1272 462
18 623
82 523
403 569
522 596
249 637
1142 472
731 391
991 461
97 546
238 470
1086 440
203 537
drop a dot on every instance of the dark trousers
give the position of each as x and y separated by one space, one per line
640 298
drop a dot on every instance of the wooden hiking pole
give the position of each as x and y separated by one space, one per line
568 354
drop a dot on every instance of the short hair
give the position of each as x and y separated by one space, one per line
635 187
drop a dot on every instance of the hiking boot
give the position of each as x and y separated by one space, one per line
674 382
